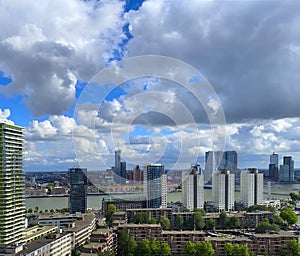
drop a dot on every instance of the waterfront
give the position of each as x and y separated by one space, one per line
279 191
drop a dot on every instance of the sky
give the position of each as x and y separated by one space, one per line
53 55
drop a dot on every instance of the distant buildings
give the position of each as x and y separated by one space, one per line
155 185
78 191
12 206
219 160
223 185
273 167
286 172
119 169
193 188
252 184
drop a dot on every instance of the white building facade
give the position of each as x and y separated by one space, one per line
193 189
252 185
223 187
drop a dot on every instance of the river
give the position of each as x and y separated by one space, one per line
279 191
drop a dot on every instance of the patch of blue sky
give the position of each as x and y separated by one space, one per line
195 79
18 109
140 131
133 5
119 53
4 80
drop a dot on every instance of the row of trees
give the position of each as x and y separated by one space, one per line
36 210
127 246
206 249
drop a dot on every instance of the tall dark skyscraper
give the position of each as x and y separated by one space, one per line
286 172
78 191
219 160
119 169
155 184
273 167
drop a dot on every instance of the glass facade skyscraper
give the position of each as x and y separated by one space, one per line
219 160
12 205
78 191
155 184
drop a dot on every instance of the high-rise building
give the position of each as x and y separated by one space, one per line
223 190
286 172
137 174
212 162
155 185
219 160
193 188
78 191
252 185
12 206
119 169
273 167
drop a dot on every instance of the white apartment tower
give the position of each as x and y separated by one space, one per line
252 185
12 206
223 190
193 189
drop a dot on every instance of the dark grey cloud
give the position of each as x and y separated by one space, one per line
248 50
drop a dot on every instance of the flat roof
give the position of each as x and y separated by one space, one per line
36 244
79 224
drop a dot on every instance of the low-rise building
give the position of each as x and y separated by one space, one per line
52 245
154 213
81 229
101 240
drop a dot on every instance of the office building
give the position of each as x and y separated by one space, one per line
12 206
252 185
155 185
137 174
119 169
219 160
193 189
286 172
223 190
78 191
273 167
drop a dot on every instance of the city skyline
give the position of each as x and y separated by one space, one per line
248 51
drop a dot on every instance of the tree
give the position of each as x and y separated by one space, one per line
276 219
234 222
291 249
141 218
199 248
30 210
204 249
36 209
288 215
126 244
198 220
223 219
201 211
180 222
144 247
211 224
294 196
111 209
153 221
190 248
165 223
236 249
165 248
106 253
264 227
155 247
